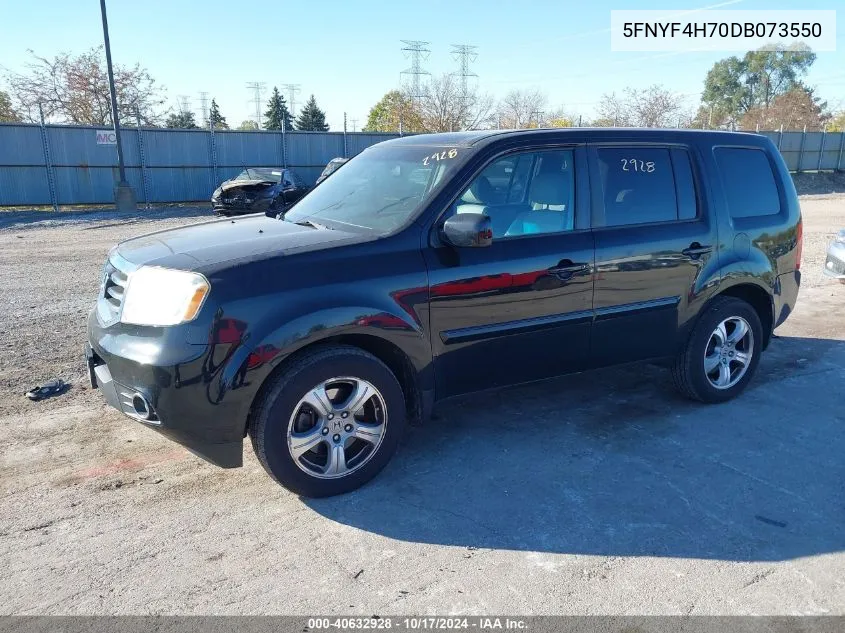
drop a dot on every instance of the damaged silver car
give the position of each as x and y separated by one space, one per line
834 265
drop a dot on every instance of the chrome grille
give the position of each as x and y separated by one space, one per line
113 288
115 285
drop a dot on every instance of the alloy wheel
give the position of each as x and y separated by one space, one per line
728 353
337 427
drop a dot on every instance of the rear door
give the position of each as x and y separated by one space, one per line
521 308
655 244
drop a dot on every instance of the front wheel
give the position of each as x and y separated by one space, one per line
722 352
330 422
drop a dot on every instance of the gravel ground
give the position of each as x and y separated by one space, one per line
595 493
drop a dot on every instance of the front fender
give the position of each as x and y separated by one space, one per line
266 345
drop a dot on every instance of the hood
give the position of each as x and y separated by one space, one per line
210 244
232 184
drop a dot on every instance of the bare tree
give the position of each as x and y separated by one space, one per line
613 111
656 107
521 109
444 108
75 89
652 107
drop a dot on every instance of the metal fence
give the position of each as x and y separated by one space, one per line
811 151
60 164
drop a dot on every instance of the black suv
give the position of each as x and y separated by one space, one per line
437 265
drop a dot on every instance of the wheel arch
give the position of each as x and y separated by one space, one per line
758 297
417 396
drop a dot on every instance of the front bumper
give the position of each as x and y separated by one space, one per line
834 265
258 205
180 383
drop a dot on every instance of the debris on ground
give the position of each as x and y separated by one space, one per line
48 390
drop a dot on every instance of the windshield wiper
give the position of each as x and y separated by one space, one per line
313 224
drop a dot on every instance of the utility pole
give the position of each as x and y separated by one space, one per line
257 87
354 124
417 51
292 89
204 108
124 197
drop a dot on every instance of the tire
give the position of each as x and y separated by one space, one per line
281 410
688 372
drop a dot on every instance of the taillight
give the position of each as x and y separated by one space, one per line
799 243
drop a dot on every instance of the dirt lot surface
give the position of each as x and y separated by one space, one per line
596 493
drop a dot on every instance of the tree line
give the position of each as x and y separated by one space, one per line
762 90
74 89
277 117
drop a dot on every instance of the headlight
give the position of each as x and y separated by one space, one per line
161 296
840 237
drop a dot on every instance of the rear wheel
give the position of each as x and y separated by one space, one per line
330 422
722 352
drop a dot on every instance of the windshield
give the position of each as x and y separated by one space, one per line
260 173
380 189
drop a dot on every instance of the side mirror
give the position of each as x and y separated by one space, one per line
468 230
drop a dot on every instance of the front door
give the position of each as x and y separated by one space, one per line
654 246
521 308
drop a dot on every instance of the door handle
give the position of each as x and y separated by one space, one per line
566 269
695 250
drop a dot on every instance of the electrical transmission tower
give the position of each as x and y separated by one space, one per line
417 51
464 55
292 89
354 124
257 87
184 104
204 107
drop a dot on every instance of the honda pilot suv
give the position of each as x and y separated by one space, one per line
437 265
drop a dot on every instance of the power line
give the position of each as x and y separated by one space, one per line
204 107
257 87
417 51
292 90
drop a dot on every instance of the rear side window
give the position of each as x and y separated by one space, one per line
641 185
749 182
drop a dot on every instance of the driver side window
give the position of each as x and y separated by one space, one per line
524 194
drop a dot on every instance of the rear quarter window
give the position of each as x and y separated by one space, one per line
642 185
748 181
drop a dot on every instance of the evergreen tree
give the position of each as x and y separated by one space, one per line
311 118
7 112
217 120
182 120
277 113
